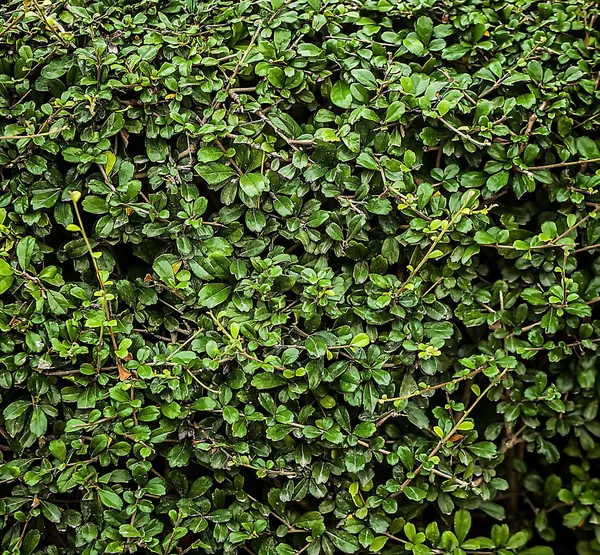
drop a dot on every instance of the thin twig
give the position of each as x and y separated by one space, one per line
77 371
420 392
499 82
33 136
464 93
563 164
463 135
445 439
11 25
433 245
238 66
588 248
123 374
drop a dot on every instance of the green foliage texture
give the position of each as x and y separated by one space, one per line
299 276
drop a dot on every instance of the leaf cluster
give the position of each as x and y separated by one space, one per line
299 276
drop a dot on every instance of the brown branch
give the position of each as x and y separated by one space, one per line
10 137
231 160
463 135
499 82
76 371
464 93
433 387
588 248
9 27
447 437
563 164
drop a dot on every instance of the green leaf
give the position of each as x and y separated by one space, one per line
208 154
30 542
58 449
355 461
494 510
341 95
93 205
484 449
214 174
316 346
378 544
365 78
517 540
204 403
253 184
157 149
57 302
267 381
57 67
484 238
16 409
276 77
171 410
179 455
25 250
345 542
360 340
497 181
455 52
50 511
462 524
414 46
36 165
38 423
6 276
278 431
365 429
214 294
587 148
537 550
148 52
164 270
424 28
129 531
443 107
113 124
199 487
110 499
333 435
395 111
535 71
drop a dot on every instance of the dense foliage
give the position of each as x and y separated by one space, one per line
299 276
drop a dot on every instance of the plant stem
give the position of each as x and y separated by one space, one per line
451 432
509 72
123 374
238 346
463 135
34 135
431 387
456 215
563 164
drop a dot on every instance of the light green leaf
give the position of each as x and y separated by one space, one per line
360 340
341 95
253 184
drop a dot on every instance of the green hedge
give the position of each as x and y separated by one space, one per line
299 276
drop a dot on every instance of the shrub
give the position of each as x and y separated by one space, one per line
299 276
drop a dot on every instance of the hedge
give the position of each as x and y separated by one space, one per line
299 276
